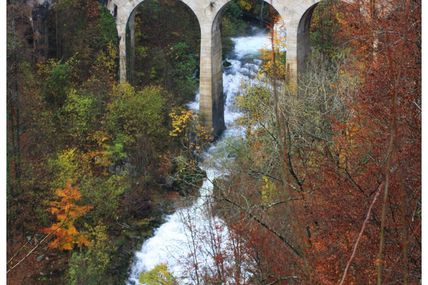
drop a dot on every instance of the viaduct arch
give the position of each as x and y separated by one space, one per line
295 14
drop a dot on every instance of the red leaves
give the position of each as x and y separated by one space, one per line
387 46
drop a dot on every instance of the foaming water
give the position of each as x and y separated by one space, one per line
245 46
173 242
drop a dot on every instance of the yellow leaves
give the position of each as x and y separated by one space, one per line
180 120
108 59
99 156
277 52
67 212
245 4
186 126
347 144
204 134
158 276
271 67
123 90
268 190
100 137
53 211
254 103
342 158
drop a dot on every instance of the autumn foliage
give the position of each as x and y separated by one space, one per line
378 149
335 197
66 212
325 187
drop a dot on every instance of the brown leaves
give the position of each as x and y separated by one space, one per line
386 46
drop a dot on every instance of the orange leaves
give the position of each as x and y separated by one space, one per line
67 212
68 193
350 142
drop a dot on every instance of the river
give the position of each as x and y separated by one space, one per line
186 237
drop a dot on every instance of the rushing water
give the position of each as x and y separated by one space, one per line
173 242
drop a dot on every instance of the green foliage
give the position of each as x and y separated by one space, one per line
78 114
193 137
107 59
167 54
110 140
104 194
136 114
232 24
57 77
116 151
141 51
91 266
107 25
158 276
64 166
185 63
102 191
187 174
67 119
83 29
324 29
253 103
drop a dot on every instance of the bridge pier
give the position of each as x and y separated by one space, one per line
295 14
122 56
122 17
211 104
131 48
292 61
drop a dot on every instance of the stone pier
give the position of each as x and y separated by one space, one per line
295 14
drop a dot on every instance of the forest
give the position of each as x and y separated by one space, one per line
323 187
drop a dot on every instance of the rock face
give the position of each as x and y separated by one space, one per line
295 16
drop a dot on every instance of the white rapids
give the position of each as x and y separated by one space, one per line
173 243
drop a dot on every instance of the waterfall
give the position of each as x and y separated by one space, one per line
172 243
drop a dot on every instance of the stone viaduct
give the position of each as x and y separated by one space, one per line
295 14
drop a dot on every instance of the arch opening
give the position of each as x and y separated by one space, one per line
317 31
235 19
160 52
232 26
303 39
73 29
